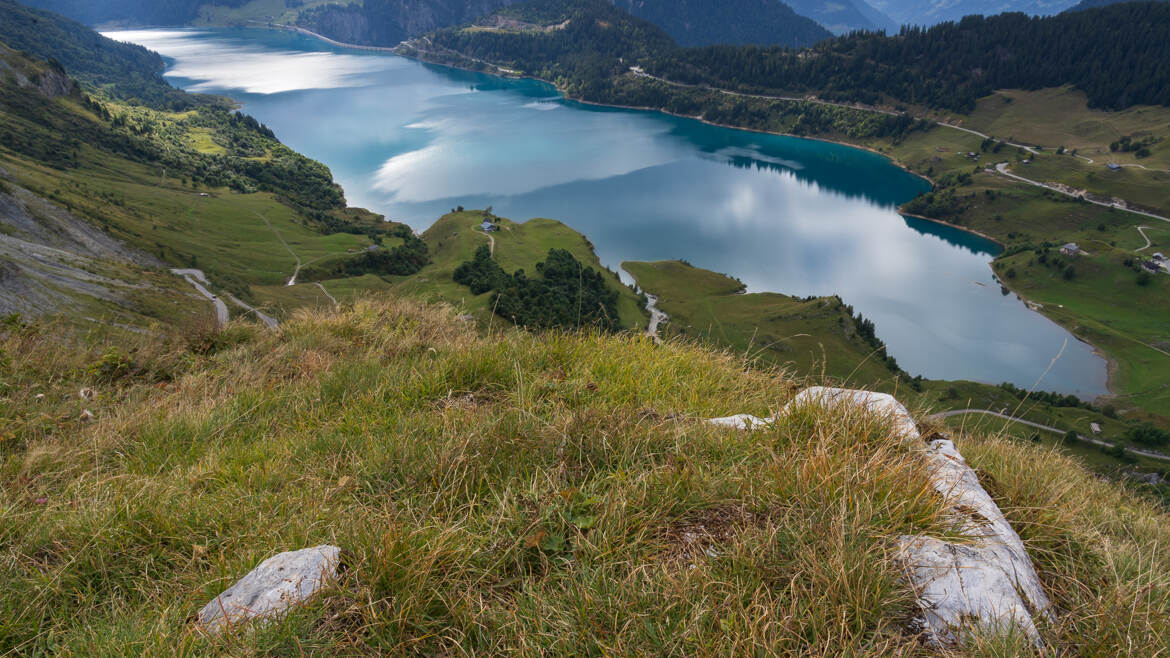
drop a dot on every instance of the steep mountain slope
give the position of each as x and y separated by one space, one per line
131 12
123 70
702 22
876 16
843 16
1094 4
387 22
52 261
931 12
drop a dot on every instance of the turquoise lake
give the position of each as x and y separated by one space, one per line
801 217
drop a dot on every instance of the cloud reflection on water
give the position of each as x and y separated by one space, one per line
220 65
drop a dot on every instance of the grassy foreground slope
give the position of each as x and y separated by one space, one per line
515 492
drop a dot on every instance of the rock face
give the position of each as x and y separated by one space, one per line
990 579
279 583
985 583
388 22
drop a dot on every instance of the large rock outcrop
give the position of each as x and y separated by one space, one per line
985 582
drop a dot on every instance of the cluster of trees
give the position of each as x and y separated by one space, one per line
1045 257
405 259
1139 147
567 295
1047 397
941 204
1147 434
482 273
867 332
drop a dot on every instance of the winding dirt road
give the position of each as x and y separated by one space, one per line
1047 428
331 297
197 279
292 281
657 317
1002 168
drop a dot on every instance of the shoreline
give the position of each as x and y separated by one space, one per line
309 33
419 56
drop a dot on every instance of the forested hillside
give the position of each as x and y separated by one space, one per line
597 42
123 70
1116 55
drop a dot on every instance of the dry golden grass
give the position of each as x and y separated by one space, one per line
502 493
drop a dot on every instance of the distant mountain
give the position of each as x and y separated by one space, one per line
705 22
843 16
1094 4
131 12
877 17
690 22
931 12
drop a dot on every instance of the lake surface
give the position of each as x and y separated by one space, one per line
787 215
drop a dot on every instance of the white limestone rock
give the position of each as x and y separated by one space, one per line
989 579
985 582
881 404
741 421
279 583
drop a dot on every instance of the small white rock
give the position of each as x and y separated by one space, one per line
279 583
741 422
86 416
